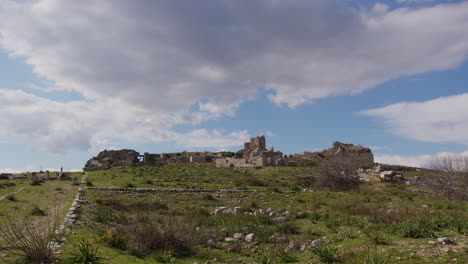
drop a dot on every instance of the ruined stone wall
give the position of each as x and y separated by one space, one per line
258 142
359 155
254 154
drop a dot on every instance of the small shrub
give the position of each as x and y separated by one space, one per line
36 182
368 256
288 228
104 215
85 253
296 189
165 257
36 211
337 174
449 177
417 228
130 185
89 183
376 236
287 257
11 198
169 235
113 239
149 182
30 241
326 253
209 197
264 257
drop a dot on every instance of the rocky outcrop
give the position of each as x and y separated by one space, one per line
359 155
112 158
254 154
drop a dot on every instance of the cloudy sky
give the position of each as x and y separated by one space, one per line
164 76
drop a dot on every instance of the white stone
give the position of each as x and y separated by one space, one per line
317 242
238 236
249 238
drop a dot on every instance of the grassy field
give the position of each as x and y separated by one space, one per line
35 203
376 223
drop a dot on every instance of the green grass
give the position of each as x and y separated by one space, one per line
376 223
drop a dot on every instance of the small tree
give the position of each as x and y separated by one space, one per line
449 177
337 174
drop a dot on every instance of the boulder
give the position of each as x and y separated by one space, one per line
238 236
249 238
280 219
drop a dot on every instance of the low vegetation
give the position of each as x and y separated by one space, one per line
318 213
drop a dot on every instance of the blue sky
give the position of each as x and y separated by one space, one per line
78 77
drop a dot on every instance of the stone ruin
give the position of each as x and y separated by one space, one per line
254 154
359 155
112 158
126 157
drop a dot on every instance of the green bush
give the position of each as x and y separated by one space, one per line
85 253
326 253
418 228
36 211
165 257
11 197
36 182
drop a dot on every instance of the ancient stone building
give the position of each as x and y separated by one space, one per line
360 155
254 154
113 158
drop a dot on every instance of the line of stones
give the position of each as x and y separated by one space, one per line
4 197
63 229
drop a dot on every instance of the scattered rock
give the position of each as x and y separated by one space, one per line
229 239
249 238
211 243
317 242
238 236
280 219
445 241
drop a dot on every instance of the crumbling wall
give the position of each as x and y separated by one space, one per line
112 158
254 154
359 155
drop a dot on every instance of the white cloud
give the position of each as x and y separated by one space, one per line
58 127
421 161
140 65
441 120
202 138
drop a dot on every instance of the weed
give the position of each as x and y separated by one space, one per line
288 228
130 185
85 252
209 197
36 211
30 241
36 182
11 198
165 257
264 257
417 228
326 253
368 256
287 257
113 239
